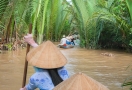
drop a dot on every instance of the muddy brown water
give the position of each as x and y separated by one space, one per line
110 71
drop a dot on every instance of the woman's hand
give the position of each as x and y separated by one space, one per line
29 39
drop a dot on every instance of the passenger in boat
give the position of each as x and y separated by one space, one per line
66 42
50 76
72 40
63 42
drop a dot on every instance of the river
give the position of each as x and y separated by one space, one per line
110 71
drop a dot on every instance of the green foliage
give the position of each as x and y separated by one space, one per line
3 5
112 29
129 5
130 43
128 81
84 11
128 84
100 23
9 46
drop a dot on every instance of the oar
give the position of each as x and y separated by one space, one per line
26 62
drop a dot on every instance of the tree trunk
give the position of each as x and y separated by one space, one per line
8 30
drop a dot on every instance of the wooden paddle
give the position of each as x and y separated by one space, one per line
26 62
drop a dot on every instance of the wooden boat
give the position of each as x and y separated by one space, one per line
66 46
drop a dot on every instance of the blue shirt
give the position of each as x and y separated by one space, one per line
42 80
68 42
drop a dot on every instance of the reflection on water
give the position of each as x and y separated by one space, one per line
110 71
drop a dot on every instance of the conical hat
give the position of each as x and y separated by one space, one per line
80 81
47 56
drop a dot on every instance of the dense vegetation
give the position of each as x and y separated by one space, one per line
100 23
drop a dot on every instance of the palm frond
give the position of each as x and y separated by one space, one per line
129 4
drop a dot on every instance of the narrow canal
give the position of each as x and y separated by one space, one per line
110 71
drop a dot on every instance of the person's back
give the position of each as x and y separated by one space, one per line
43 80
63 41
77 41
40 80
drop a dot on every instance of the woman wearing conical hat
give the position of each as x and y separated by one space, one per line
48 63
80 81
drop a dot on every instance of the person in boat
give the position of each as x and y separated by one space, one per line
48 63
66 42
63 42
72 40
